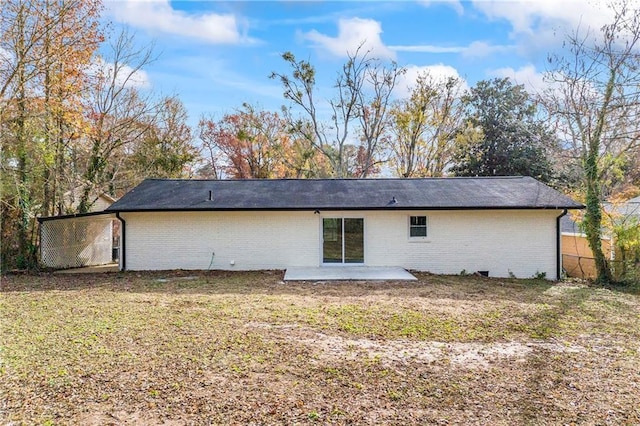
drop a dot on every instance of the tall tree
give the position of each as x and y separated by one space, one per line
119 115
595 98
372 107
45 46
513 139
424 127
68 51
166 150
24 27
358 110
19 28
253 144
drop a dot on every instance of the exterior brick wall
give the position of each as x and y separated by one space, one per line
522 243
503 242
252 240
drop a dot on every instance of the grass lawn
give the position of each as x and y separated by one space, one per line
244 348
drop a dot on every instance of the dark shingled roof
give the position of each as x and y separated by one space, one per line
343 194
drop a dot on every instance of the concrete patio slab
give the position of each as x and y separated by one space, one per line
344 273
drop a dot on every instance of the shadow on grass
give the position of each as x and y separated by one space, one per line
270 282
632 288
567 310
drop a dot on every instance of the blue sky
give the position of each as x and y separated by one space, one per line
217 55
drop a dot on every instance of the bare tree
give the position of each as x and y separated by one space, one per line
119 115
595 98
372 112
363 89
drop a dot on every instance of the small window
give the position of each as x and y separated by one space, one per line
417 226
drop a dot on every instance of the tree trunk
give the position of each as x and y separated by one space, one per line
593 215
593 222
94 171
24 196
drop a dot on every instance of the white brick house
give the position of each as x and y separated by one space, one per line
503 226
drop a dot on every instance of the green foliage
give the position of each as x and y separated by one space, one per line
166 148
626 235
539 276
70 132
42 89
594 97
424 127
514 140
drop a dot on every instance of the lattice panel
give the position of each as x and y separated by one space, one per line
76 242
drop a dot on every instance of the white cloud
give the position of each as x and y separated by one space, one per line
481 49
525 16
436 71
477 49
528 76
454 4
428 48
541 19
536 82
127 76
159 16
352 33
138 78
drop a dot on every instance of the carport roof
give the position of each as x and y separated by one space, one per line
343 194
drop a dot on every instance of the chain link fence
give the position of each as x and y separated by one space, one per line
75 242
579 266
585 267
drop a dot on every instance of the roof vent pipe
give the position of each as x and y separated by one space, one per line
210 195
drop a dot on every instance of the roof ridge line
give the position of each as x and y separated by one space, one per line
343 179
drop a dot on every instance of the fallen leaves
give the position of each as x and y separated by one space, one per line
240 348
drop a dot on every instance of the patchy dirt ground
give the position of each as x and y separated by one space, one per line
182 348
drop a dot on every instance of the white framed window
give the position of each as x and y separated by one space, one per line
417 227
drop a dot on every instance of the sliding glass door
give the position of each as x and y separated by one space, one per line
342 240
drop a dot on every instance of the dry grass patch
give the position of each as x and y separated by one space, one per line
244 348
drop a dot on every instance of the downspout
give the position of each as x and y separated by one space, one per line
123 242
39 242
558 248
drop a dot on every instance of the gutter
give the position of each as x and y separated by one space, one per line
558 243
123 242
75 215
397 207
